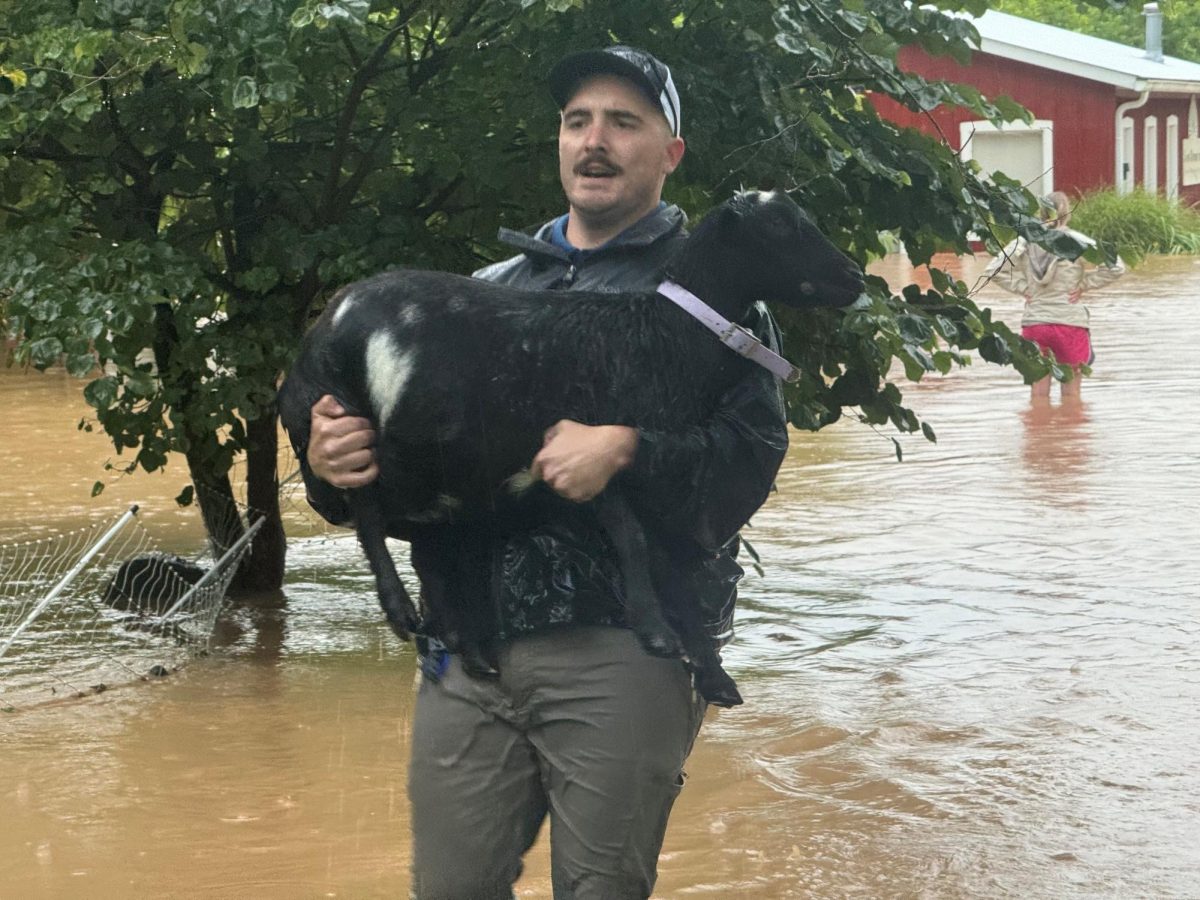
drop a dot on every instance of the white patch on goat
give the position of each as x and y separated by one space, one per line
388 370
442 511
343 308
520 482
766 196
411 315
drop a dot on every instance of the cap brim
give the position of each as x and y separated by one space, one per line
571 70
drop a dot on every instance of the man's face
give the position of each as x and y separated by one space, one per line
615 149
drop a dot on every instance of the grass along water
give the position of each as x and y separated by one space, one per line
1138 223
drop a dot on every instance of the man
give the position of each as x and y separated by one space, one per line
581 725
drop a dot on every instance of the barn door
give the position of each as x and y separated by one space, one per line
1022 152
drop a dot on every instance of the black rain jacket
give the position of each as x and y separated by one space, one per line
703 484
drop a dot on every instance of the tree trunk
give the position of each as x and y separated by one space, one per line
262 569
218 508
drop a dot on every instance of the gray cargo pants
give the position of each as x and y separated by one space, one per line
582 725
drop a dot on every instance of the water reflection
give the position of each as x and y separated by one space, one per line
1056 448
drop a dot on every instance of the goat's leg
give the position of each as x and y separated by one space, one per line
433 572
713 683
372 533
642 607
454 567
474 589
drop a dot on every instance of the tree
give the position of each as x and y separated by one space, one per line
184 182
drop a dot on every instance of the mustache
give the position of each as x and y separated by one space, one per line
598 161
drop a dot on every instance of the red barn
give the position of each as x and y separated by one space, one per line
1105 114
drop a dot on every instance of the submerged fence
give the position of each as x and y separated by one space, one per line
102 606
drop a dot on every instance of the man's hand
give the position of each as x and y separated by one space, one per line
577 461
340 446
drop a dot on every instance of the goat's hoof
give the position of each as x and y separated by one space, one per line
718 689
724 698
399 627
477 666
404 627
662 643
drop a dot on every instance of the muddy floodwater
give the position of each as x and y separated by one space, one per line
973 673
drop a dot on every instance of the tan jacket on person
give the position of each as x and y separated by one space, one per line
1051 285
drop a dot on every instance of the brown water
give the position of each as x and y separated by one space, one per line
975 673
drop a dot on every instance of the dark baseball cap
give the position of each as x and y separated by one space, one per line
648 73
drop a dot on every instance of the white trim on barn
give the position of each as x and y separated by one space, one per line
1125 152
1172 146
1150 154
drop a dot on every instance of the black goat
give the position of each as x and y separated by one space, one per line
150 584
462 378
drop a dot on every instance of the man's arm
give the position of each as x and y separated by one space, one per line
705 481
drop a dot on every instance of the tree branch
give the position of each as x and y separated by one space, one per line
351 50
362 78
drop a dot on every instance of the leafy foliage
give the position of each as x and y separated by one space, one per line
184 182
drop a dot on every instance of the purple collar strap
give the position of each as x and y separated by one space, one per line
732 335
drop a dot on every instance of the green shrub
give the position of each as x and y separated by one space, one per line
1138 223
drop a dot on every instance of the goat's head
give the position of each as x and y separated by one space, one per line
762 246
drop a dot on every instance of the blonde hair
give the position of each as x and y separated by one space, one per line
1056 208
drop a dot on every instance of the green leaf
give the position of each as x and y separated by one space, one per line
994 348
916 362
16 76
245 93
80 364
101 393
914 329
45 352
351 10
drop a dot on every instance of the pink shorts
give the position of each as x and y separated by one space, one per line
1070 344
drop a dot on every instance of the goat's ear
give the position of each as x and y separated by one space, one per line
728 214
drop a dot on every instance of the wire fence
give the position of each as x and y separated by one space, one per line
87 610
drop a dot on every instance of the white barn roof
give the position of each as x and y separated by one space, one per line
1120 65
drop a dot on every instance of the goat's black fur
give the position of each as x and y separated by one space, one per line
462 377
151 583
